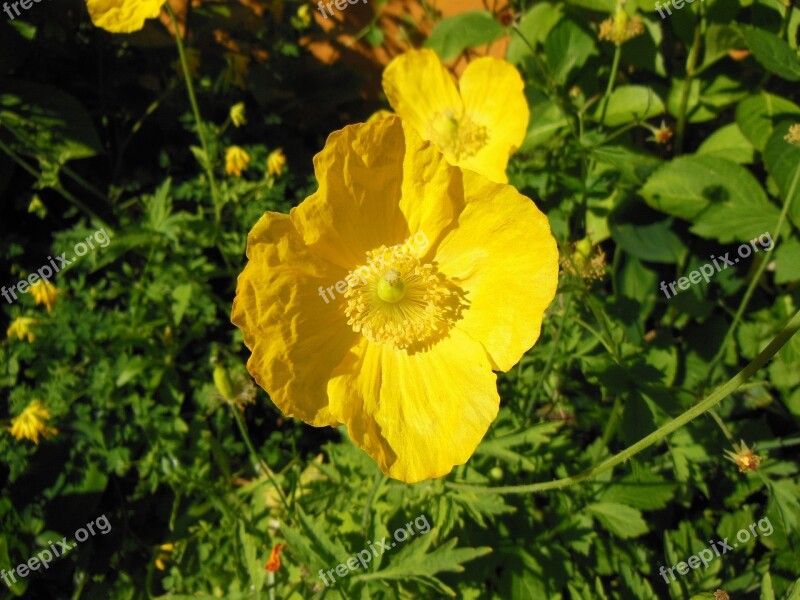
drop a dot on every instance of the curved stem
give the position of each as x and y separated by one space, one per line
695 411
201 129
755 279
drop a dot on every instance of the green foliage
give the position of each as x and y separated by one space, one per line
199 487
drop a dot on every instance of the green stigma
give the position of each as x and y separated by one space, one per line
391 288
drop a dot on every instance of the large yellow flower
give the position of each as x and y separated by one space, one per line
385 300
123 16
31 423
45 293
477 126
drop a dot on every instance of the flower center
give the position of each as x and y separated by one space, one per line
457 135
395 300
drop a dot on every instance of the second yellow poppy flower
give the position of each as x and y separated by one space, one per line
476 126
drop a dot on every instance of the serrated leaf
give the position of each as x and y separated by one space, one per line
757 116
775 55
619 519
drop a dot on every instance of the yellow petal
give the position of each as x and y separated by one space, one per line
506 260
417 414
372 178
296 338
420 89
492 91
123 16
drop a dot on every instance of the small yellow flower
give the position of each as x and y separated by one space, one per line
744 457
476 126
303 17
31 423
164 554
123 16
237 115
21 327
36 206
793 137
620 28
45 293
236 160
275 162
412 321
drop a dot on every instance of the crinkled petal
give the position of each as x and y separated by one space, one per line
373 182
492 91
123 16
420 414
505 259
296 338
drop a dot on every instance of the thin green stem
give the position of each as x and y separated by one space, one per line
726 432
258 464
201 128
691 66
611 79
755 279
714 398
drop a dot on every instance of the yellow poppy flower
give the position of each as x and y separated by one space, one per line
21 327
123 16
477 126
404 355
275 162
236 160
31 423
45 293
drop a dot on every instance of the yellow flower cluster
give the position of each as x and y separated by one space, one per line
405 356
620 28
31 423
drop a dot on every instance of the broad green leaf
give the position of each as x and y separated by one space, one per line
758 115
471 29
49 122
767 592
534 26
721 198
794 592
730 143
546 119
619 519
567 34
630 102
719 39
773 53
787 261
634 167
655 242
782 160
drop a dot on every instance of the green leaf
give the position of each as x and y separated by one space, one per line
619 519
775 55
471 29
567 34
758 115
534 27
767 592
787 261
648 493
782 160
655 242
628 103
47 121
794 592
608 6
728 142
721 198
634 167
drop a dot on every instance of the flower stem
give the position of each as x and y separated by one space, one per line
201 129
691 66
755 279
611 79
714 398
